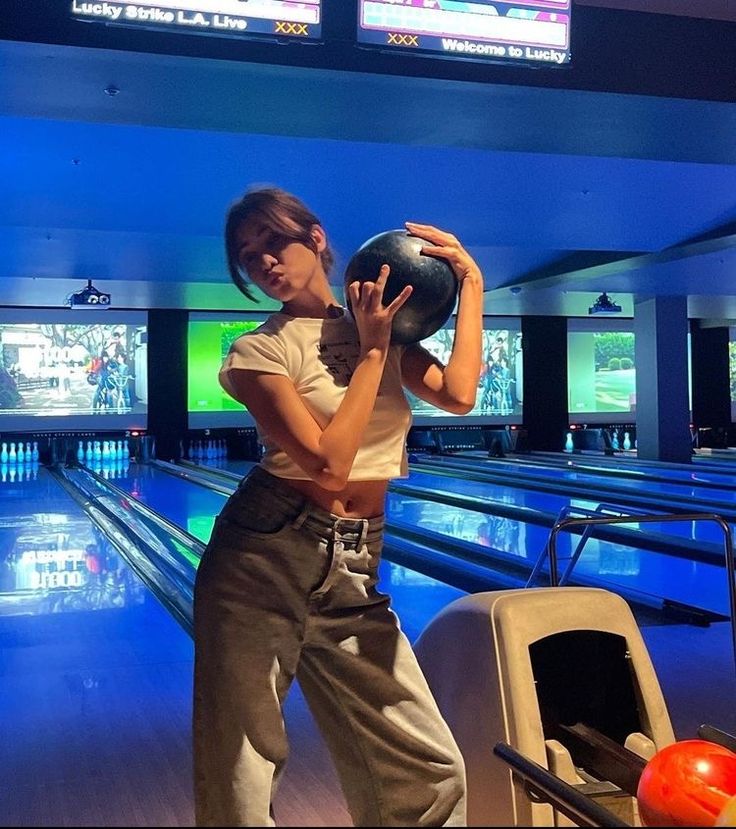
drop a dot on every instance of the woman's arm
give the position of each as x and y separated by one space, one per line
326 451
453 387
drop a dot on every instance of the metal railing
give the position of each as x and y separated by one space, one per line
566 512
647 518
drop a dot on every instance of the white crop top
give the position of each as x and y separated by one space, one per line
320 355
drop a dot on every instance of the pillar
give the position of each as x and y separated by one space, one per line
662 405
544 345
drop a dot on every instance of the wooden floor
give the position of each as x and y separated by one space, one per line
96 717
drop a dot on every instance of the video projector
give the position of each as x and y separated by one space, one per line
88 297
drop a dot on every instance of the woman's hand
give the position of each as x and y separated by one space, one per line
372 318
446 246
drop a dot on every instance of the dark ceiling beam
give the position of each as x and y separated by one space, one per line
584 265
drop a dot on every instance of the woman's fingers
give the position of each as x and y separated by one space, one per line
446 246
369 294
431 233
398 301
383 276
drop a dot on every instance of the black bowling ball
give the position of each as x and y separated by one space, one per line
434 283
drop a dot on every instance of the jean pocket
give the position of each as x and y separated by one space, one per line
257 515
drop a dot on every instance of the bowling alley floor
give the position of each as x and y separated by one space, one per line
96 716
96 703
697 673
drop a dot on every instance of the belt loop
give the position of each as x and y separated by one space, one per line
301 518
363 532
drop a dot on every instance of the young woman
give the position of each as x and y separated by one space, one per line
287 585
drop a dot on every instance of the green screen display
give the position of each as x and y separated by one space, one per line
208 344
601 371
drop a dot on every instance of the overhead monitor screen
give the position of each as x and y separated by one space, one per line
601 371
500 395
234 18
523 31
67 370
210 336
208 342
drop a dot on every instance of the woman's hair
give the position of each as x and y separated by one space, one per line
282 213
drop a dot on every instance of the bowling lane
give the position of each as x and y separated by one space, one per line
636 571
194 509
649 575
94 672
54 559
701 461
511 493
634 470
689 493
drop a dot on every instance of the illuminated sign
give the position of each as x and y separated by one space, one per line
239 18
528 31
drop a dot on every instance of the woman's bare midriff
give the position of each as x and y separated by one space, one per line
359 499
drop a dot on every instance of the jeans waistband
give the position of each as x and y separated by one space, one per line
311 516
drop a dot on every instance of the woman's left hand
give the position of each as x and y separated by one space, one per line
447 246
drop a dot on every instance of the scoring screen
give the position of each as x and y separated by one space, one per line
529 31
239 18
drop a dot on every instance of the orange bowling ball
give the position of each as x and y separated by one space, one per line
687 783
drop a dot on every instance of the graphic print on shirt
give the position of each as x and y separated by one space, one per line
339 358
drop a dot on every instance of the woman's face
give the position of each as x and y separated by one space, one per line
279 266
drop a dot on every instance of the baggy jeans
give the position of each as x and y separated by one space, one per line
285 589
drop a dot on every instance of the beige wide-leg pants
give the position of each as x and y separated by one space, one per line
288 590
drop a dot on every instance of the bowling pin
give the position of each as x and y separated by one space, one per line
80 452
569 446
12 454
4 454
627 442
34 452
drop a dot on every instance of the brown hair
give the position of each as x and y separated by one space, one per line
280 211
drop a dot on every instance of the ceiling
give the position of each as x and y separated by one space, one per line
560 194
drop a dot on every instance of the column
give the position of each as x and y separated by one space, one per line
711 381
167 376
662 406
544 346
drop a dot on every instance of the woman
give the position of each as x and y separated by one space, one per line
287 584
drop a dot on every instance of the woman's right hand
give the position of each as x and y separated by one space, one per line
373 319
